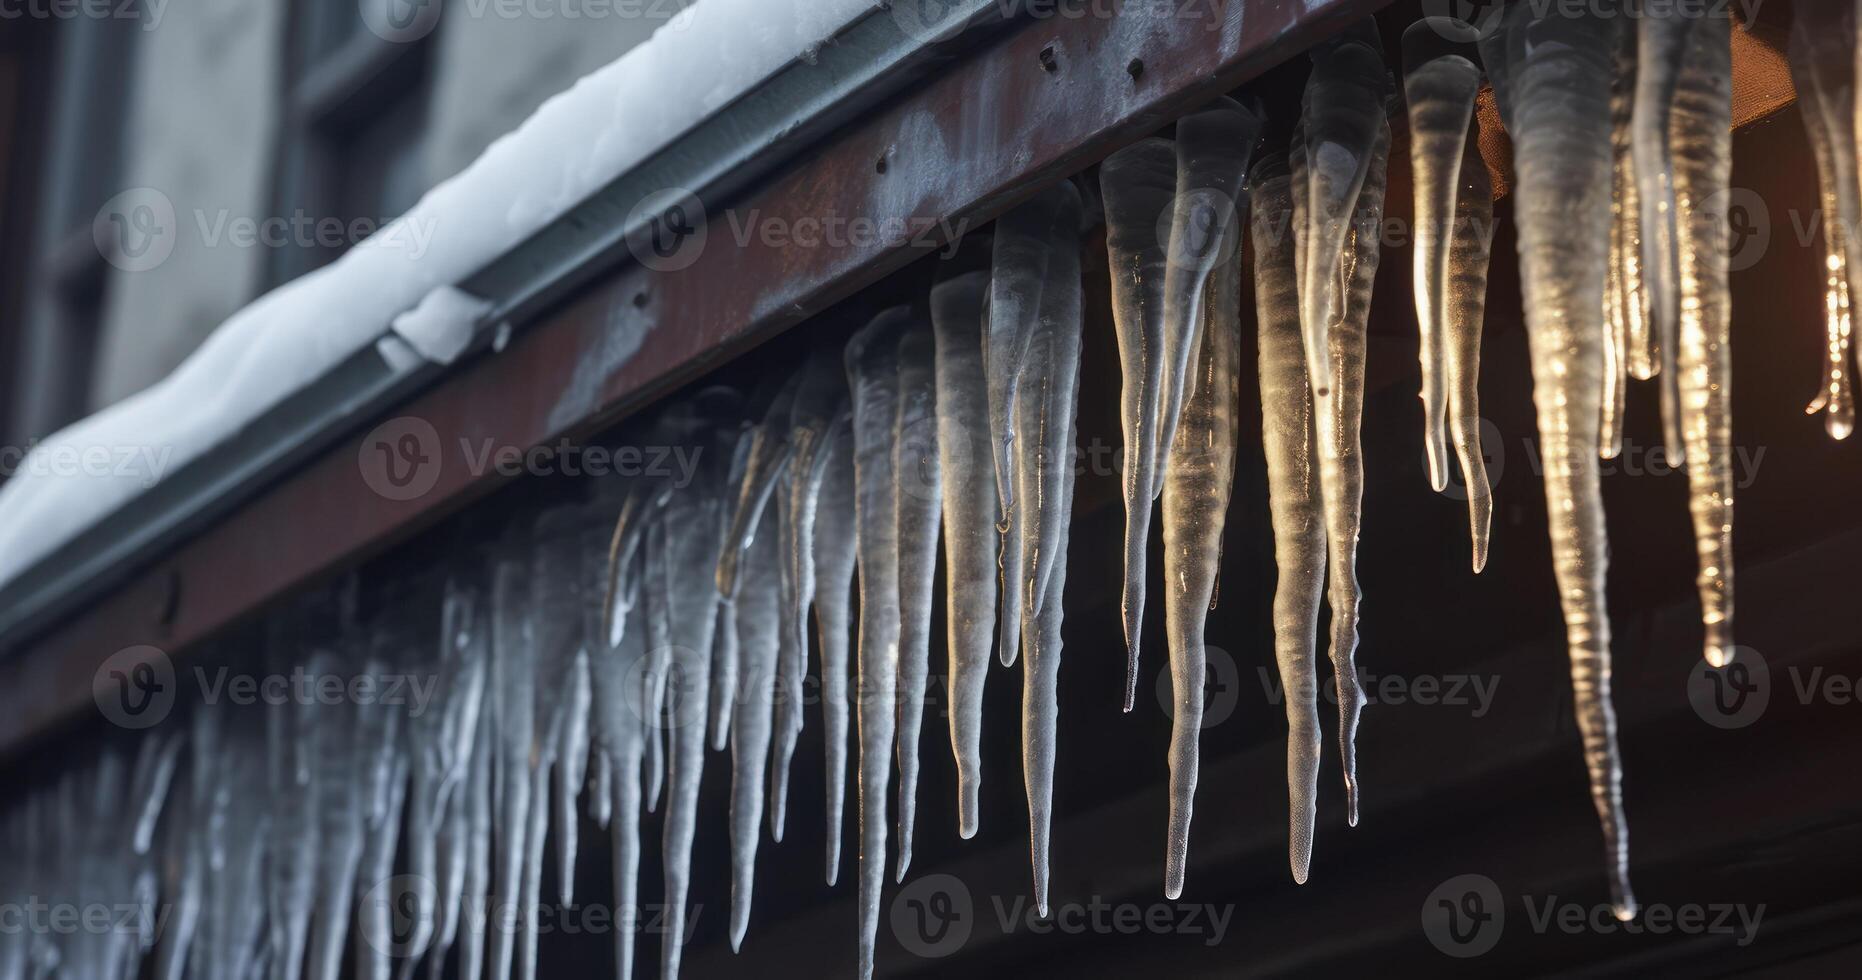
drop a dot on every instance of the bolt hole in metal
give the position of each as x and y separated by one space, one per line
1135 69
1047 60
880 165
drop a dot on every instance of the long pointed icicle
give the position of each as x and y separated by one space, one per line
694 528
1662 37
1440 81
1821 36
814 422
1044 478
1346 141
1469 252
1341 463
1061 302
620 734
970 511
1293 497
918 510
656 597
1703 154
514 706
1023 249
836 539
1137 183
1561 137
469 918
1197 483
873 374
758 576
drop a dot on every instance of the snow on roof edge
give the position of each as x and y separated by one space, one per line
574 144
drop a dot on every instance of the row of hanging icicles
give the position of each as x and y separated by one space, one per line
960 416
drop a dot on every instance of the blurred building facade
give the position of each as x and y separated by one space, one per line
165 162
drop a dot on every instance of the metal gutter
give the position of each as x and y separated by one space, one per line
1047 98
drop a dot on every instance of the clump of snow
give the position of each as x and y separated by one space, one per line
574 144
440 328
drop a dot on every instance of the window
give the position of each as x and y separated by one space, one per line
65 86
353 136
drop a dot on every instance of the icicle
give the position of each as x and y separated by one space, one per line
767 451
1212 155
918 503
693 527
1024 246
1197 482
1627 353
1440 81
377 868
1628 250
466 836
560 716
872 373
1662 38
658 601
1345 144
1469 251
1287 432
230 829
1044 477
758 576
1211 152
620 732
835 540
514 708
185 859
970 511
291 731
639 507
1821 36
1342 114
1703 154
440 742
1138 183
766 462
815 422
1561 122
